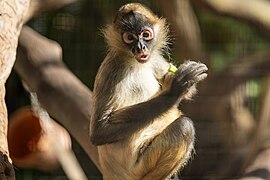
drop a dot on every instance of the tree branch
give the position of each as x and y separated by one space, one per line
59 91
11 20
255 12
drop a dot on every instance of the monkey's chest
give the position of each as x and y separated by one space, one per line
136 89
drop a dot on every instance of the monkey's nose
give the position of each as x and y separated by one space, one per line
140 48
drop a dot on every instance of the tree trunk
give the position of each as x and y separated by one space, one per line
12 13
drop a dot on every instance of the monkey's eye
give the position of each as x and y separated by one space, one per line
147 34
129 37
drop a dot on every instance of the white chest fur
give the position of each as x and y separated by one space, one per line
138 85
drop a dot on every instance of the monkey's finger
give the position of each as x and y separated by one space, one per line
201 68
199 74
192 71
190 67
195 80
201 77
184 70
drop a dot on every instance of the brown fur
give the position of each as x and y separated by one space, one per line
136 124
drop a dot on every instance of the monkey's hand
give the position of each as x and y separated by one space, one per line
186 77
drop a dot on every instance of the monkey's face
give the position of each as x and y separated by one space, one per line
137 34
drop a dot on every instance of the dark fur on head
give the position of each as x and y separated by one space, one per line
133 11
133 22
139 8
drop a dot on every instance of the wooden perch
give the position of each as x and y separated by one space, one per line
39 64
11 16
255 12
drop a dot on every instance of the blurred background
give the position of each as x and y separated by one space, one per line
231 111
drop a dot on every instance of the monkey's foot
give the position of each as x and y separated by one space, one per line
6 168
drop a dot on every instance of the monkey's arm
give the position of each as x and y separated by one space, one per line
119 125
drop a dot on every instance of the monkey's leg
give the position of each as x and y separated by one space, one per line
169 151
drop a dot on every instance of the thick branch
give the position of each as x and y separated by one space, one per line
255 12
59 91
11 20
11 14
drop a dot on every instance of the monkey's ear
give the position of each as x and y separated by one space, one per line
119 13
116 17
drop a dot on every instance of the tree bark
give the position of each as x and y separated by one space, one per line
12 13
11 16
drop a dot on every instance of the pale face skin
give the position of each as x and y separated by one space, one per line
138 35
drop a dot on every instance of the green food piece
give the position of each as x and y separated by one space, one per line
172 68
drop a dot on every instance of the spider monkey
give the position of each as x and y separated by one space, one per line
139 131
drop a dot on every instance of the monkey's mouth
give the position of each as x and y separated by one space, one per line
142 57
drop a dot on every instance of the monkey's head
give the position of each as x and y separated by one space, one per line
137 32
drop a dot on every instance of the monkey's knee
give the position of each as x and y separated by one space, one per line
187 128
183 130
170 150
177 138
180 134
180 137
